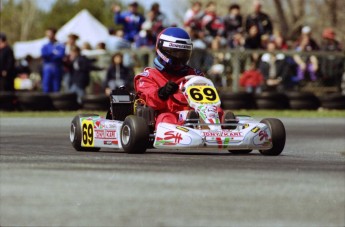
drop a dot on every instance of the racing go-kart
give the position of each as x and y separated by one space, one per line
130 125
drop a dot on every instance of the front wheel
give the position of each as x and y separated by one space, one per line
76 133
135 135
278 136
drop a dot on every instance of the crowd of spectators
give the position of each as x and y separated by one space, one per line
70 65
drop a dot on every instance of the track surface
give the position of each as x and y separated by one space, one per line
43 181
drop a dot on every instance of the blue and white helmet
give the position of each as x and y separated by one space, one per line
173 48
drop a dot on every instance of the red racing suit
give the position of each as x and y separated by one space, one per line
148 82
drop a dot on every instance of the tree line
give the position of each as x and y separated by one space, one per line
24 20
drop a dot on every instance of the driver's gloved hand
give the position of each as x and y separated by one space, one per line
168 89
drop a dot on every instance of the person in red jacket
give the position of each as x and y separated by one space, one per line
252 79
158 86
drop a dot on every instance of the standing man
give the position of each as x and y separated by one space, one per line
80 73
53 54
7 65
131 20
260 19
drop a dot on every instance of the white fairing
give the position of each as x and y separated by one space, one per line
105 133
248 135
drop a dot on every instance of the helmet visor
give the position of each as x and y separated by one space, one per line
178 52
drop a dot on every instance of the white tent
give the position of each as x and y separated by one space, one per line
87 27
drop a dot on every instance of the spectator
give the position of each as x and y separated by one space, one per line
253 40
252 79
7 65
233 21
201 58
260 19
22 81
331 66
71 42
280 41
213 27
145 38
307 39
116 42
80 73
159 19
275 68
192 17
118 75
131 20
237 41
53 54
307 64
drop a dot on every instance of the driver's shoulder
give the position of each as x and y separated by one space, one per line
147 72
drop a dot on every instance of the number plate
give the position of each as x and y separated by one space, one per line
202 94
87 133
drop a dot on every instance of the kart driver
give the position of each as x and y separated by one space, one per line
158 86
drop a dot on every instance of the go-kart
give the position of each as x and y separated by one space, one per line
130 125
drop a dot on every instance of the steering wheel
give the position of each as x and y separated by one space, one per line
179 82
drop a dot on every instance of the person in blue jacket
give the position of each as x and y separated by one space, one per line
52 53
131 20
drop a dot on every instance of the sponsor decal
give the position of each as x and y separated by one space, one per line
99 134
255 130
172 138
105 134
262 138
182 128
111 142
177 45
223 134
145 73
110 134
171 135
99 124
109 124
263 135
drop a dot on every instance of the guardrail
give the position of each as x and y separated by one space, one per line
234 61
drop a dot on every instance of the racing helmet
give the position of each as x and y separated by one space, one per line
173 49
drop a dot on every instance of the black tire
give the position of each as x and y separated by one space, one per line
228 115
272 100
96 102
34 101
134 135
8 101
303 101
76 134
278 136
333 101
240 151
64 101
240 100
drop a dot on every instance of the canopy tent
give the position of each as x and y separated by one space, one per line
87 27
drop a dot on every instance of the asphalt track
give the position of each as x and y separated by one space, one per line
44 182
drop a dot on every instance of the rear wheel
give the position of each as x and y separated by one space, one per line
278 136
76 134
135 135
